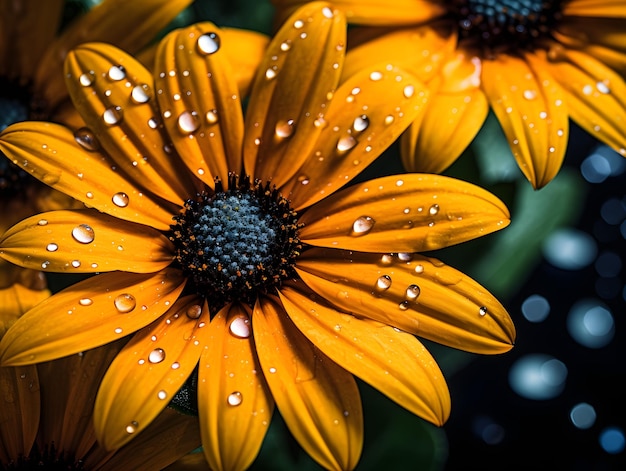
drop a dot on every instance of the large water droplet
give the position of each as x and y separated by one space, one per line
112 115
240 327
139 94
208 43
345 143
362 225
235 398
162 394
156 356
52 247
434 209
412 292
482 311
188 122
117 72
86 139
83 233
120 199
284 128
85 301
383 283
86 80
194 312
125 303
132 427
361 123
211 116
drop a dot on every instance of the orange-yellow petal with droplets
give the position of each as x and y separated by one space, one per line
234 404
88 314
149 371
403 213
416 294
393 362
85 241
245 49
318 399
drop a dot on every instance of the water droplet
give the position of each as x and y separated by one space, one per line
235 398
530 94
240 327
383 283
118 330
403 306
157 356
83 234
45 264
419 269
408 91
42 222
327 12
153 123
389 119
52 247
112 115
120 199
272 370
285 45
361 123
304 180
132 427
362 225
117 72
386 259
86 139
175 365
412 292
270 73
125 303
298 24
188 122
208 43
376 76
211 117
85 301
139 94
76 263
482 311
86 80
284 128
346 143
434 209
194 312
603 87
162 394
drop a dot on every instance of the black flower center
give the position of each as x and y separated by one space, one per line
234 244
506 25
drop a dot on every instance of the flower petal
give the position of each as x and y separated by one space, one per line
88 314
199 100
595 96
529 104
234 403
403 213
42 149
149 371
393 362
128 25
245 49
19 414
115 96
294 83
594 8
318 399
413 293
85 241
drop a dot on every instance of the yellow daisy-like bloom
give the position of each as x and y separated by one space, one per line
61 394
234 246
535 63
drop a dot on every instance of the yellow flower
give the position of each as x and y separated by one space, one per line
46 419
235 247
535 63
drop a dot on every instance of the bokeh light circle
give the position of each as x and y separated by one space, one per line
538 376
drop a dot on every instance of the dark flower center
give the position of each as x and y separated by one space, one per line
236 243
506 25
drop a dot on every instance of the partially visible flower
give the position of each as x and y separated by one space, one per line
235 247
535 64
47 421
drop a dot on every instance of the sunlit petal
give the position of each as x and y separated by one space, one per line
403 213
88 314
413 293
234 403
245 49
318 399
594 8
394 362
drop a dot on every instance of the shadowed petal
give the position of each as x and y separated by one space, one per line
417 294
88 314
393 362
149 371
199 100
234 403
115 96
403 213
42 149
295 81
85 241
245 49
530 106
318 399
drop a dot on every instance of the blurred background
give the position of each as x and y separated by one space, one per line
556 401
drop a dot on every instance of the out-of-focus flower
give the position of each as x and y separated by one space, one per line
535 64
234 246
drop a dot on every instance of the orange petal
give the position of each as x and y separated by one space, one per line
128 25
235 406
19 414
403 213
294 83
244 49
42 149
115 96
393 362
594 8
413 293
595 96
15 297
149 371
531 108
199 100
318 399
88 314
85 241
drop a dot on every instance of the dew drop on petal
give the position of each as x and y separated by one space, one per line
118 330
208 43
603 87
117 72
376 76
408 91
86 139
211 116
482 311
132 427
284 128
83 233
285 45
194 312
139 94
76 263
125 303
403 306
412 292
419 269
86 80
240 327
346 143
434 209
383 283
362 225
188 122
120 199
361 123
42 222
112 115
157 356
530 94
52 247
175 365
270 73
85 301
162 394
235 398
